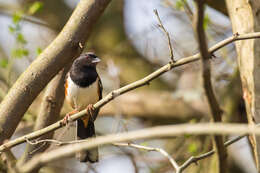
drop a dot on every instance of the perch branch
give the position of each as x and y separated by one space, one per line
129 87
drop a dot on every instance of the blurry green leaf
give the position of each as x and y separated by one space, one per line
35 7
20 38
28 117
206 21
11 29
3 63
38 51
19 53
187 135
192 148
145 144
193 121
17 17
179 5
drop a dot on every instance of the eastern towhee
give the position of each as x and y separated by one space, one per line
83 88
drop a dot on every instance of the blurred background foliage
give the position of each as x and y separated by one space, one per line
131 45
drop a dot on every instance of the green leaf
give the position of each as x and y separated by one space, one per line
20 38
17 17
35 7
11 29
179 5
187 135
206 21
144 144
193 121
19 53
38 51
192 148
3 63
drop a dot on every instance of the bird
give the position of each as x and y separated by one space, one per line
83 88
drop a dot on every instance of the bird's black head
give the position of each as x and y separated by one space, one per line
88 59
83 70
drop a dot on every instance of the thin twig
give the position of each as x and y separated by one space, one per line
129 87
160 150
207 84
167 35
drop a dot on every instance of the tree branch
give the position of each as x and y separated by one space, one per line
246 19
67 46
127 88
206 76
167 35
160 150
148 133
194 159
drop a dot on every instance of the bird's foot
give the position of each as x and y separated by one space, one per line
90 110
67 118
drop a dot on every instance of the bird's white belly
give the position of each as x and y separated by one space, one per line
80 98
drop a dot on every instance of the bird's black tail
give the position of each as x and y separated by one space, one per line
83 132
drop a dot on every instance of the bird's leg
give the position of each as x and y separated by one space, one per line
90 110
66 119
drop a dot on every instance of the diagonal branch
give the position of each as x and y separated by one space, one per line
129 87
206 74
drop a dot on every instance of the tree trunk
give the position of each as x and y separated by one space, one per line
245 18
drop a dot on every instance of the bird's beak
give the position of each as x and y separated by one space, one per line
95 60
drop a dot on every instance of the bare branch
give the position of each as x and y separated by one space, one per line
194 159
206 74
148 133
167 35
129 87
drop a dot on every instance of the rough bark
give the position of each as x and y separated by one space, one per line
67 46
245 17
